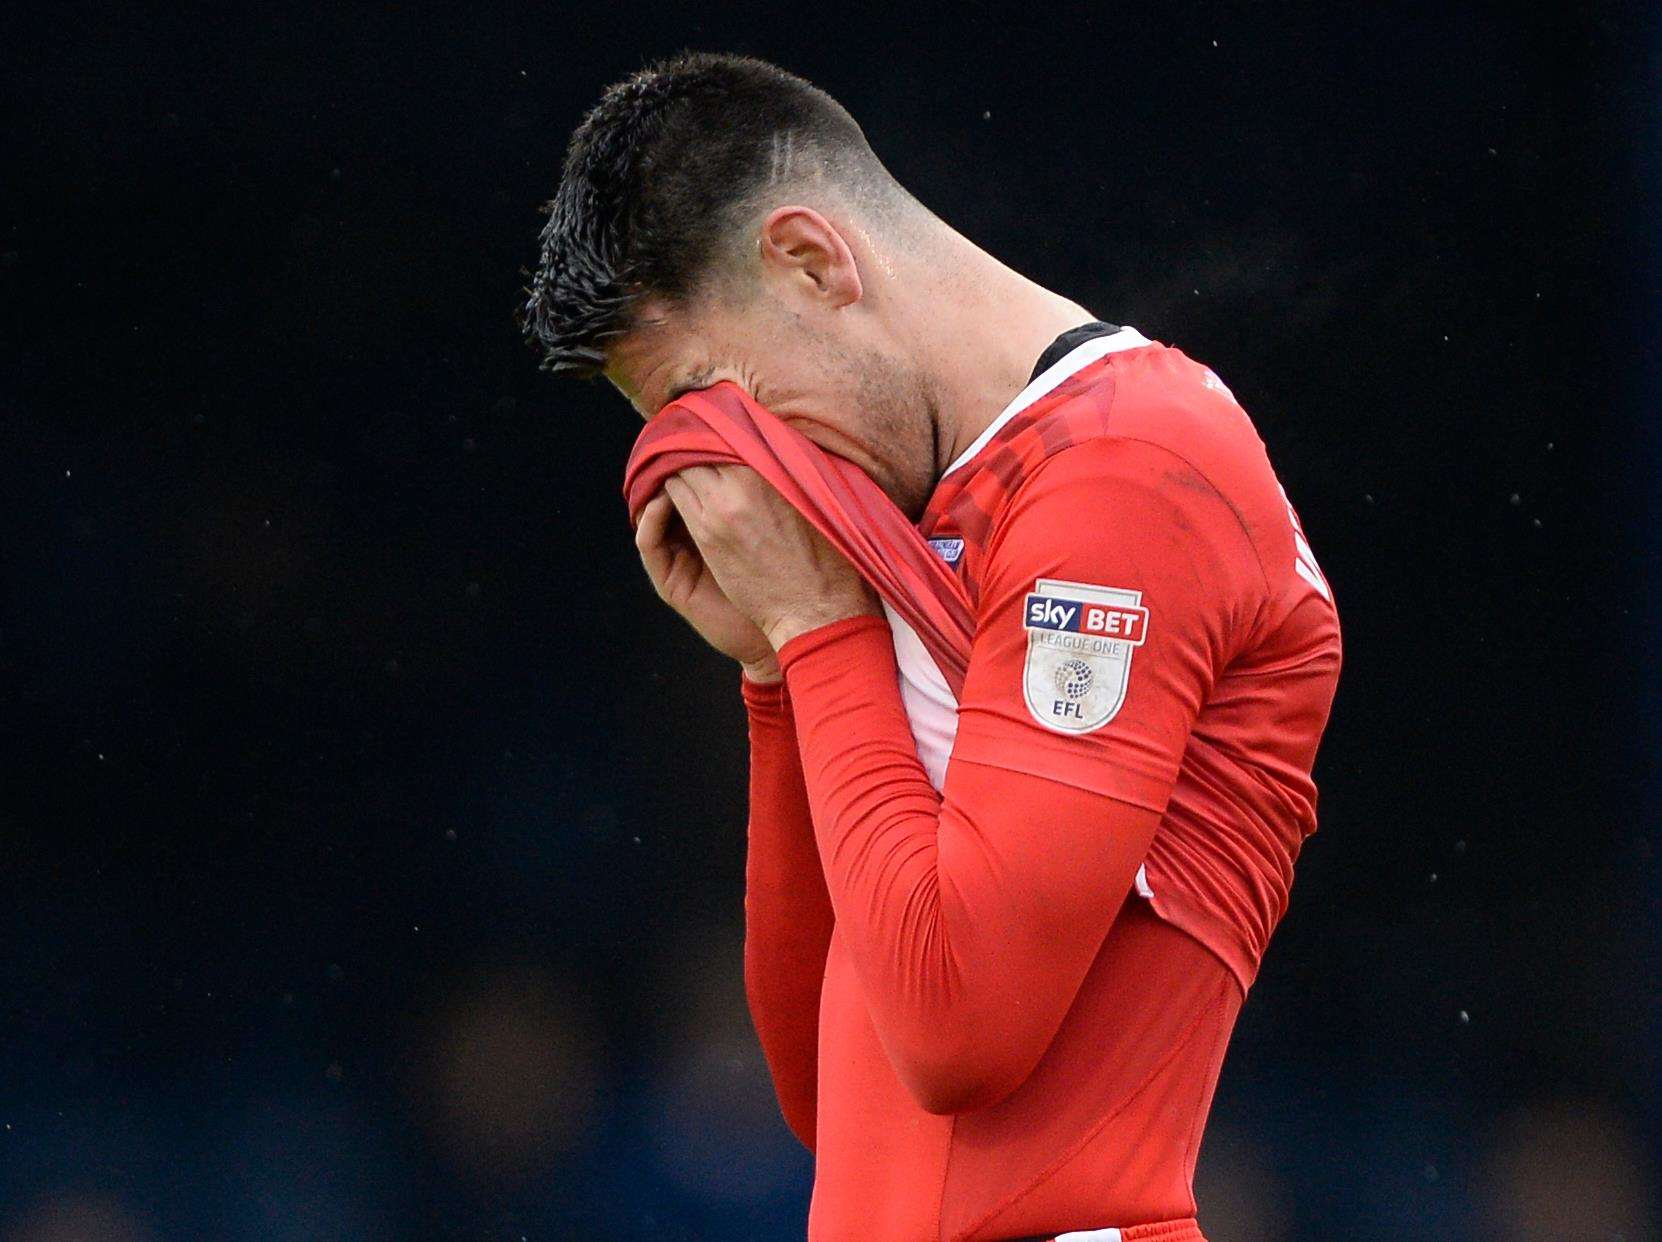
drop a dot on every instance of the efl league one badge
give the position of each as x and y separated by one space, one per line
1080 639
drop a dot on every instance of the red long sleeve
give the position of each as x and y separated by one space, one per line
971 916
788 915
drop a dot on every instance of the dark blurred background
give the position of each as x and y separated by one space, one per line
373 842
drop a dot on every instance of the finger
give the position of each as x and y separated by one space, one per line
687 504
701 478
652 539
680 493
727 495
654 521
738 489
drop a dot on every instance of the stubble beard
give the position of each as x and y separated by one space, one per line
901 410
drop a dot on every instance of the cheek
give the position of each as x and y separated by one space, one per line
787 373
845 442
788 381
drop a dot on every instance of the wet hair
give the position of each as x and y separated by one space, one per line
658 180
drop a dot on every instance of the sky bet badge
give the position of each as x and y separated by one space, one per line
1080 639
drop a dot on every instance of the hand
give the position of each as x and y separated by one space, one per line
765 557
683 581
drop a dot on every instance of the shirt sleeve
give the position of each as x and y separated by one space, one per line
971 916
1117 585
787 913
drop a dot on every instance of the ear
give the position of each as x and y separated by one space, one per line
806 250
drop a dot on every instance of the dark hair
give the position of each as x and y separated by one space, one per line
655 179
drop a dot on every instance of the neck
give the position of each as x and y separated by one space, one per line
985 326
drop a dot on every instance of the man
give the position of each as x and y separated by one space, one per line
995 947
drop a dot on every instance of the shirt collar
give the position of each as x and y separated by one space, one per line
1075 360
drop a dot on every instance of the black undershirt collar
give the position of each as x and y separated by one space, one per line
1068 342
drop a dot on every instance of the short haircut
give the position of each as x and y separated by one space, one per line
657 178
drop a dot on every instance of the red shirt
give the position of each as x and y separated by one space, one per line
1141 473
1004 1045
